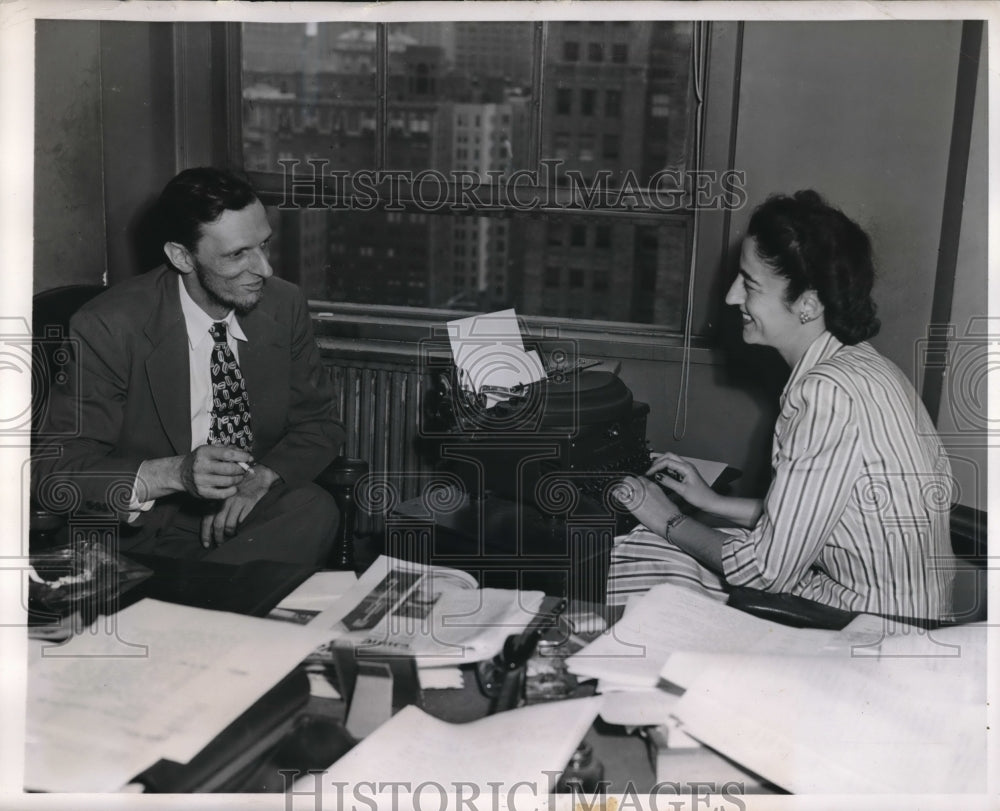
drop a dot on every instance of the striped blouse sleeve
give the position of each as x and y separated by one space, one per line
817 457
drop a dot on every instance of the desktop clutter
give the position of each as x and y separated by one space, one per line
425 676
718 696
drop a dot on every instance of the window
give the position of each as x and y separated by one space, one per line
612 103
448 87
564 101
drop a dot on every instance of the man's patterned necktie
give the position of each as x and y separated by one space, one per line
230 402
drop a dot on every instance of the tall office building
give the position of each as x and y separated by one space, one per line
600 123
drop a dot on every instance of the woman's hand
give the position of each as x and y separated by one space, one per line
647 502
680 476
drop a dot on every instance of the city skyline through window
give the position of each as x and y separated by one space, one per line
464 109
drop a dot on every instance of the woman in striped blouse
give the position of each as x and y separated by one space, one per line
857 514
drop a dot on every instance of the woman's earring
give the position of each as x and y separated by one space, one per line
805 318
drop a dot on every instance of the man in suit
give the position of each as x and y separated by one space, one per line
203 407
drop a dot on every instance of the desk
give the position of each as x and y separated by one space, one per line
289 730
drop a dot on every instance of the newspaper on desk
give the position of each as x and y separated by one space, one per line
436 614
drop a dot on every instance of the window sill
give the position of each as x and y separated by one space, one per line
407 334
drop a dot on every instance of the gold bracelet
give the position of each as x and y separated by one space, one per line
671 523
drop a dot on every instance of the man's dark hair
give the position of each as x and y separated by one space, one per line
817 247
196 197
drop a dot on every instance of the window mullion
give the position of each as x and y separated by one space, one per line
539 38
382 94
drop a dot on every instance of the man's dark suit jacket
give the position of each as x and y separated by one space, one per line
128 390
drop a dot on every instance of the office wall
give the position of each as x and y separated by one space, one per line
104 146
70 245
862 112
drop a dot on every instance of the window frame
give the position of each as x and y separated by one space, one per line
340 323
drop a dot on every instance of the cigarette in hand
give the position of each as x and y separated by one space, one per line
247 468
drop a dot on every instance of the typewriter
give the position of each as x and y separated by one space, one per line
578 429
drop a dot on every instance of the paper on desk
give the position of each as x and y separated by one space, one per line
321 590
488 351
440 678
670 619
909 720
97 715
637 708
414 748
684 667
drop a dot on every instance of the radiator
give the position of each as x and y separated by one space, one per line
379 404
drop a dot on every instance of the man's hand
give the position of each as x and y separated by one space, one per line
647 502
214 471
219 527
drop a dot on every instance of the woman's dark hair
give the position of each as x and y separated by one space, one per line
196 197
817 247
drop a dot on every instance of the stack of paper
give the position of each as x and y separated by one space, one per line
527 747
154 681
669 620
907 716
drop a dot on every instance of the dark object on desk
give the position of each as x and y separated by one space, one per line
503 678
788 609
582 429
223 765
339 479
531 508
252 588
80 577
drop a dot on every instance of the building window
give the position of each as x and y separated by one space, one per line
564 101
612 103
441 101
